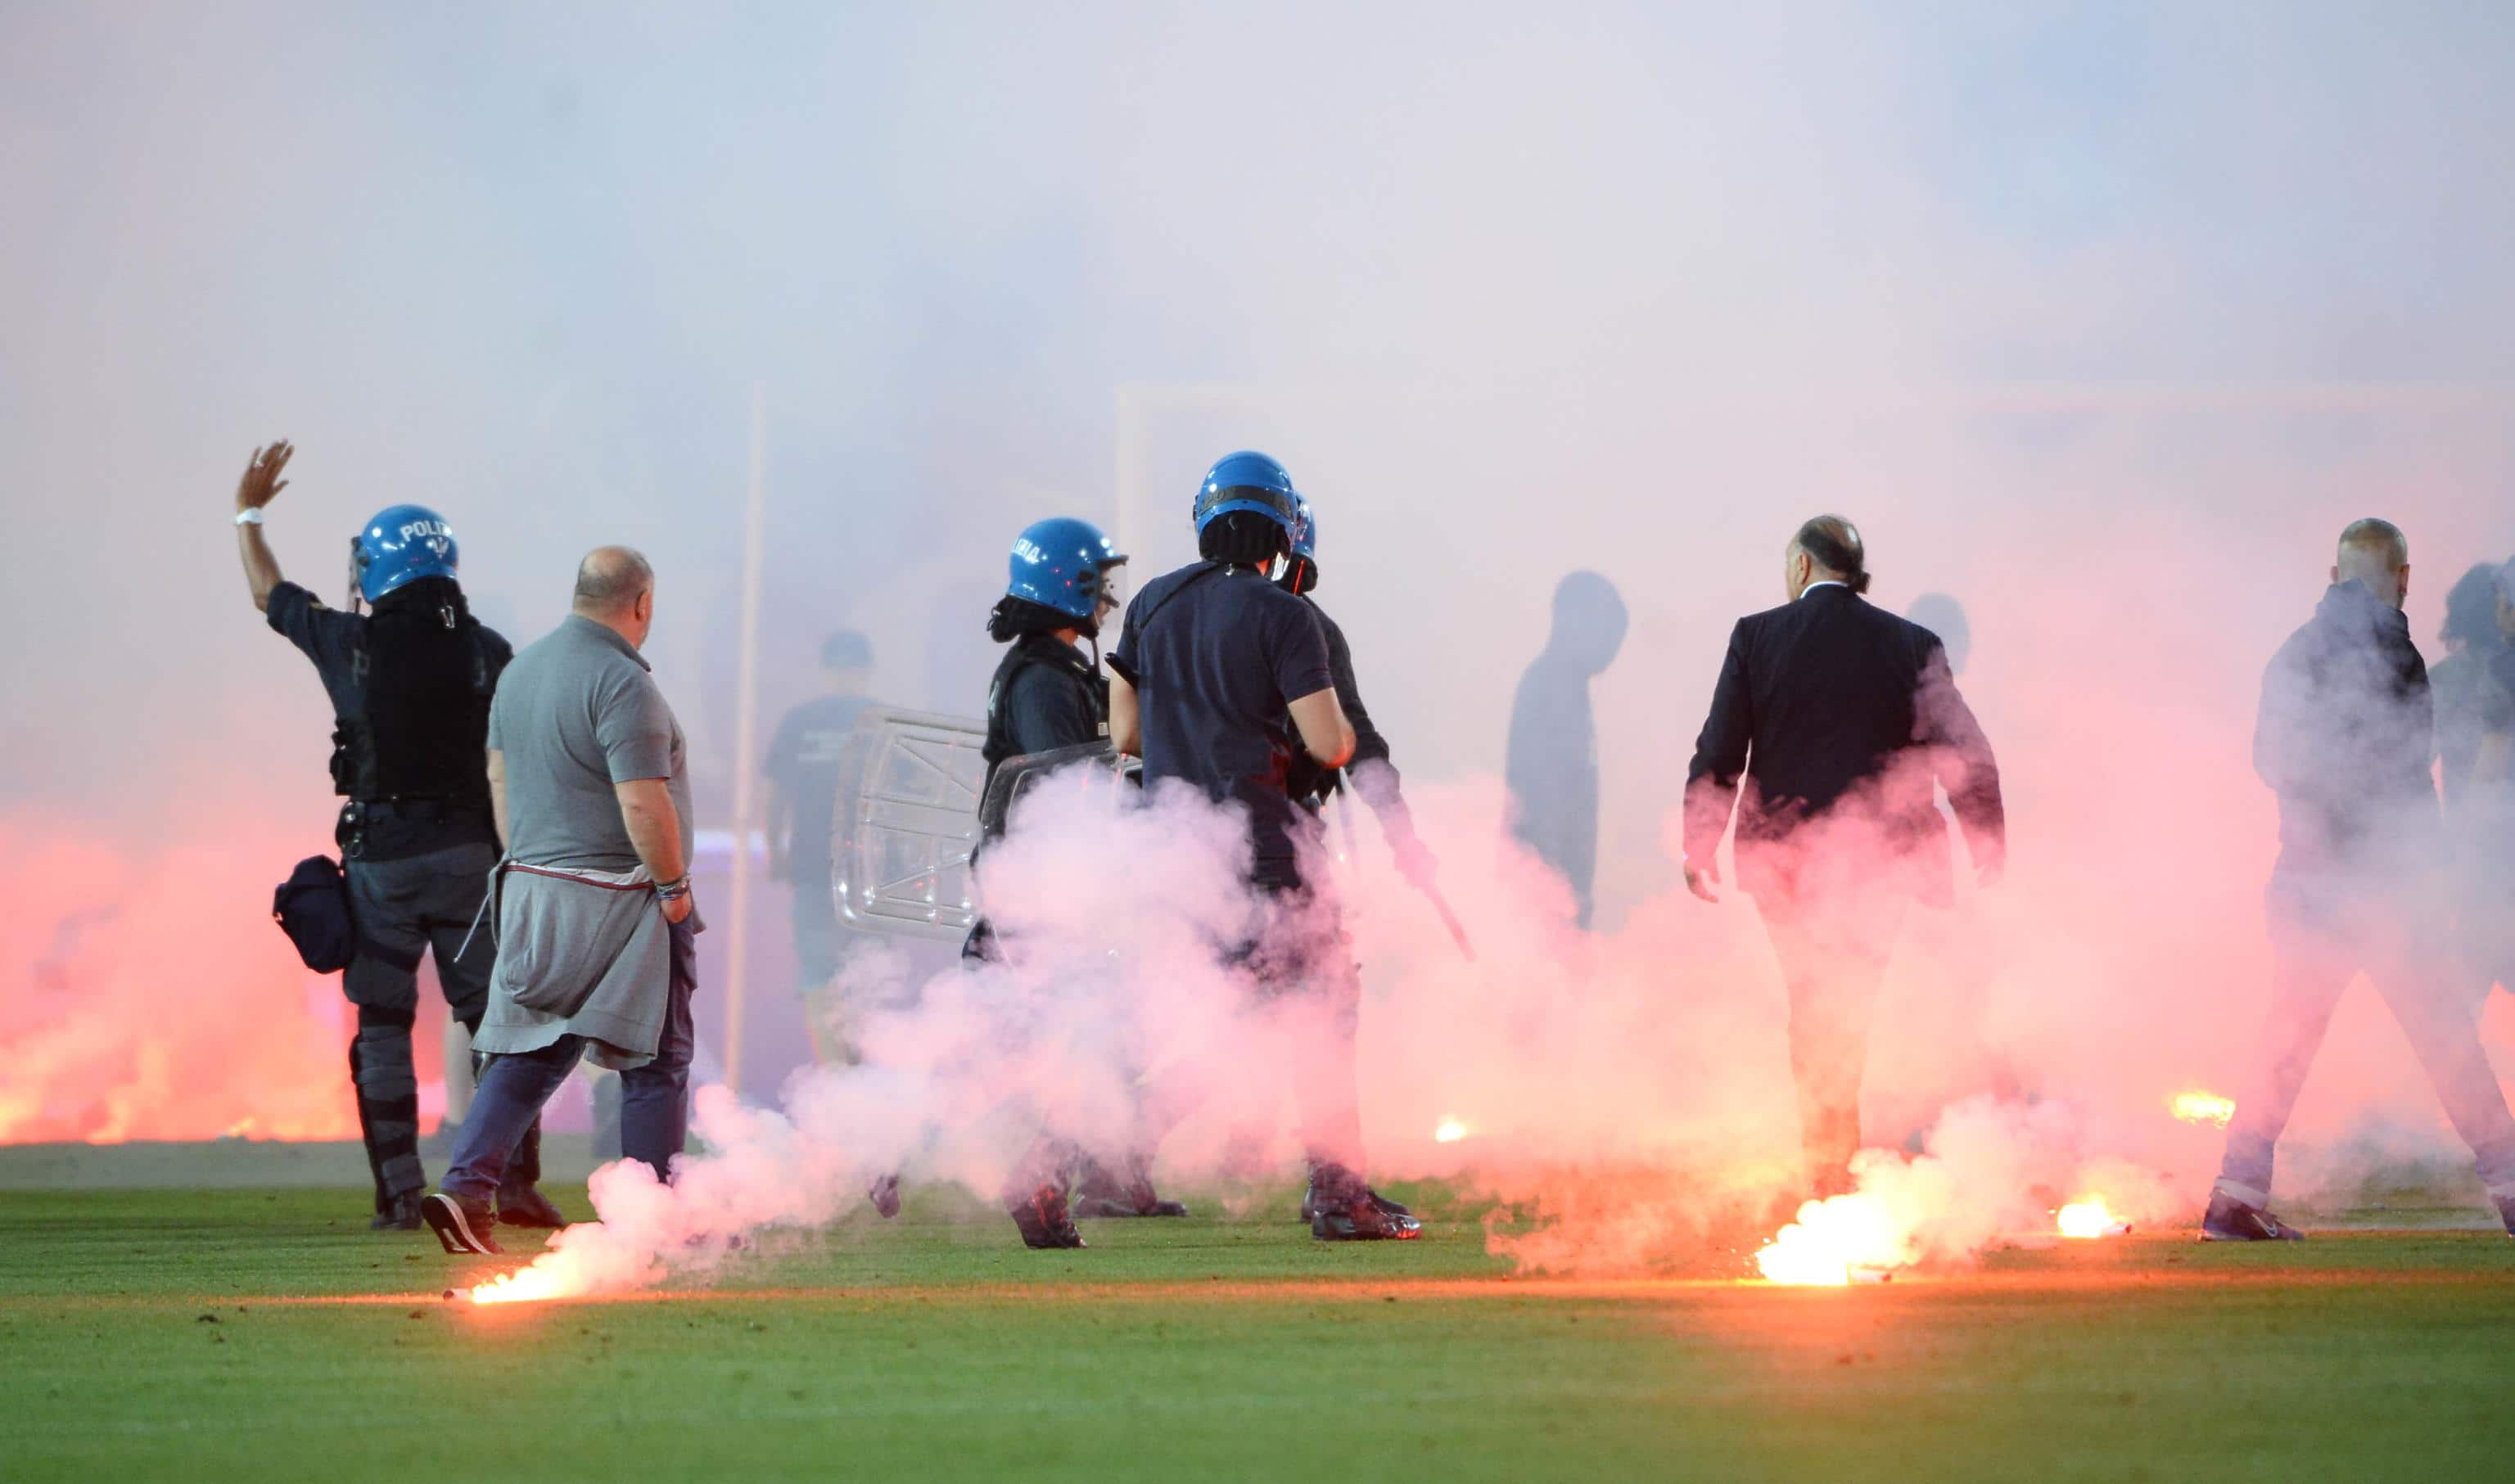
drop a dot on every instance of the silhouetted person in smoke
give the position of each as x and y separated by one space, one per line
2470 703
2345 738
2474 687
1218 676
803 774
1960 974
1551 764
1830 721
410 686
1944 616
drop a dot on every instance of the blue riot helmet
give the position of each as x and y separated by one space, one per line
1301 573
1247 482
401 544
1065 564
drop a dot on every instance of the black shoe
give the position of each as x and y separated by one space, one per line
1099 1194
884 1195
2232 1220
2506 1213
462 1227
1142 1204
1045 1222
1367 1219
1388 1207
526 1206
397 1213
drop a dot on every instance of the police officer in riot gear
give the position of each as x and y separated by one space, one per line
1046 693
410 684
1048 696
1222 678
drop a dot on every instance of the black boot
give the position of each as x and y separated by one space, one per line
387 1093
1100 1193
1310 1201
1044 1221
399 1212
1346 1210
519 1204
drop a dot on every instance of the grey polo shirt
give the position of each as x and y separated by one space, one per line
576 712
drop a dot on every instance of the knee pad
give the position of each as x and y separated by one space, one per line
380 1056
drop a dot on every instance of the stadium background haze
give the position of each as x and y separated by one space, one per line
2103 320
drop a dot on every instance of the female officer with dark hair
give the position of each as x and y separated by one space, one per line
1048 695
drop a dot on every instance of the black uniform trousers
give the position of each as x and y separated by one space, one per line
413 902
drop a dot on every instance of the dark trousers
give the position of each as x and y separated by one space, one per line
2324 931
654 1098
813 913
1834 946
1309 992
401 908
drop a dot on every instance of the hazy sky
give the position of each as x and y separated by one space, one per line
526 264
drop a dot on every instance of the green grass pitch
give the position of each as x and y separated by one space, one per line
204 1335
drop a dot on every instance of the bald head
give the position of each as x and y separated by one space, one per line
2376 554
1826 548
609 579
615 587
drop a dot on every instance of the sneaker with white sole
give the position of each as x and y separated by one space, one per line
2232 1220
461 1227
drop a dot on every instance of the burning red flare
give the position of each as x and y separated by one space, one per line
2202 1107
542 1281
1847 1238
2090 1219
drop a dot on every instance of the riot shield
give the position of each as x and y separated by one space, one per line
905 823
1019 775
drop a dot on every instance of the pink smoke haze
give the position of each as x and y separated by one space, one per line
151 996
2073 309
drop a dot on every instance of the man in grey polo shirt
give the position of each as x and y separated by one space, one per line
592 902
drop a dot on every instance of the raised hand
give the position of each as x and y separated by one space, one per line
262 482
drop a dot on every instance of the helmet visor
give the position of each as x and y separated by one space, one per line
1283 504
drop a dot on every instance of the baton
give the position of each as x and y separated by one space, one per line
1431 893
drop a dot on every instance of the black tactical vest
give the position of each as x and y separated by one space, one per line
1024 652
422 723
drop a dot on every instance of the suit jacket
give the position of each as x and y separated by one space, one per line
1832 712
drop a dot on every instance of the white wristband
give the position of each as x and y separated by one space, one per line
249 516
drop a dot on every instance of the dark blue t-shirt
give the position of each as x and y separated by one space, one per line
1216 655
803 758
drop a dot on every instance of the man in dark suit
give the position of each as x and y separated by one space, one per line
1830 723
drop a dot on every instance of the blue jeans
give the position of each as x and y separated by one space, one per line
654 1099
